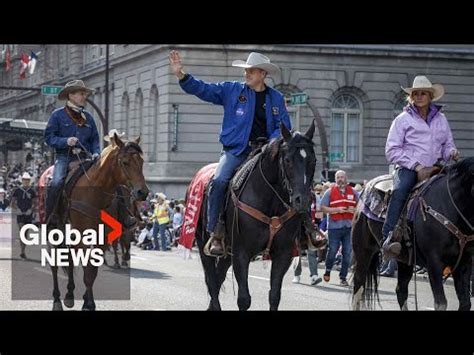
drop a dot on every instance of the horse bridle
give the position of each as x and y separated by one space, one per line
274 223
286 180
463 239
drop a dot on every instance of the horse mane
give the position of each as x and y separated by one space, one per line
112 148
105 153
296 136
463 166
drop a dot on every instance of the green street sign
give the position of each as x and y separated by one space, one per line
335 155
299 98
50 89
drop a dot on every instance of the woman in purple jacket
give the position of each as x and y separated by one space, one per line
419 138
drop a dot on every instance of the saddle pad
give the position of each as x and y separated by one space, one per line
194 198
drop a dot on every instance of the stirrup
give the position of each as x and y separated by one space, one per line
207 249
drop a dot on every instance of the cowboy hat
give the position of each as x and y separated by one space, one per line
2 190
73 86
26 176
421 82
161 195
108 137
257 60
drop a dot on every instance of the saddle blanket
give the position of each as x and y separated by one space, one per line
195 196
42 184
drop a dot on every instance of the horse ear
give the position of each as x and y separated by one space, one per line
118 141
137 140
285 132
310 132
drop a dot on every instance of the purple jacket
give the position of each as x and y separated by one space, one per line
411 140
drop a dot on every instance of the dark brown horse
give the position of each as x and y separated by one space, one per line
440 227
125 210
120 164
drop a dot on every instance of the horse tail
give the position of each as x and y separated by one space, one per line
371 294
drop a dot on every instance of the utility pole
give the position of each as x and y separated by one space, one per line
106 91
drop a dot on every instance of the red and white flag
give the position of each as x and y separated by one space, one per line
8 63
24 65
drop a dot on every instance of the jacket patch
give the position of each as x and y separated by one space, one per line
275 111
239 112
242 99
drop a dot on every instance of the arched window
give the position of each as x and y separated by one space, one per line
154 135
125 114
137 120
399 105
345 130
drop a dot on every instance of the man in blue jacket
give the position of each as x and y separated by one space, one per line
251 110
69 127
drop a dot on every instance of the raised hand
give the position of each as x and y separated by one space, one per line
175 64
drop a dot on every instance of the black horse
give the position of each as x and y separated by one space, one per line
436 244
278 185
125 210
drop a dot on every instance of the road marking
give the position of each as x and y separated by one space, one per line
138 257
253 277
50 273
430 308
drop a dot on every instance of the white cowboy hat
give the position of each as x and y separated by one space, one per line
257 60
108 137
2 190
421 82
26 176
72 86
161 195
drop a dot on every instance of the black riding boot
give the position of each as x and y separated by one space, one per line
217 248
52 196
391 248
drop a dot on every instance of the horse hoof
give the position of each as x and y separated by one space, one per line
57 306
69 302
87 308
124 263
116 266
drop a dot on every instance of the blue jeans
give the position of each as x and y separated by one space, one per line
340 236
161 228
226 168
59 175
403 182
312 263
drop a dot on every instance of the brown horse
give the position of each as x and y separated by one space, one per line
120 164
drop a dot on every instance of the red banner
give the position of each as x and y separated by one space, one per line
195 194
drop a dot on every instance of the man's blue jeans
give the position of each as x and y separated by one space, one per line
59 175
226 168
337 237
403 182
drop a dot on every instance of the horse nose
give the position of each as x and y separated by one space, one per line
142 195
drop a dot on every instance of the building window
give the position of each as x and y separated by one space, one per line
152 140
399 106
346 130
137 121
126 114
